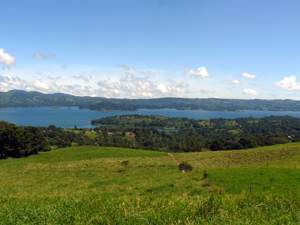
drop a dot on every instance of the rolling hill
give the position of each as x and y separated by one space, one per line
89 185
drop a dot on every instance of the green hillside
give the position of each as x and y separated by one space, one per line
18 98
89 185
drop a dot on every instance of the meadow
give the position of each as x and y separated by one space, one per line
90 185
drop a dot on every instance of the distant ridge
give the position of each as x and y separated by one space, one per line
50 94
19 98
61 95
17 91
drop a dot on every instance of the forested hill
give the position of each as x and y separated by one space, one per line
210 104
36 99
109 106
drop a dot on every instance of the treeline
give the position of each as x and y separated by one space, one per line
61 138
17 141
136 120
247 142
209 128
196 135
184 141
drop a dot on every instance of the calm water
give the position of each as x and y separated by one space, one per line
69 117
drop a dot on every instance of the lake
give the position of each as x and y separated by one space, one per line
69 117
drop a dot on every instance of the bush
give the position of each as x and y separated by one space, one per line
185 167
125 164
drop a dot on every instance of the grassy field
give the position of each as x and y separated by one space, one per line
89 185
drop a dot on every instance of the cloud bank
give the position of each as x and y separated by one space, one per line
132 83
139 83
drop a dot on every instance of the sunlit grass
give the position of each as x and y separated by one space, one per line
285 155
90 134
262 180
89 185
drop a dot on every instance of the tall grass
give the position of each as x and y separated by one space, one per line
242 209
261 179
88 185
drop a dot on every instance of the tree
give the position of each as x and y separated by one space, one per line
248 142
217 145
16 141
185 167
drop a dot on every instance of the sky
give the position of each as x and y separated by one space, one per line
151 49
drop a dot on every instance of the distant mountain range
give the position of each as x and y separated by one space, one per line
18 98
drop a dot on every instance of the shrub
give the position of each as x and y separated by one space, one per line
125 164
185 167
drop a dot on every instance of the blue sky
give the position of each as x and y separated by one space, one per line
149 49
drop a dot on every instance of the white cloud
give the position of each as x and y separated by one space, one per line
81 77
288 83
74 89
177 89
6 59
122 66
208 91
147 94
10 81
162 88
53 78
247 75
201 72
177 84
132 68
41 56
3 85
143 86
250 92
116 91
40 85
136 83
52 85
232 81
